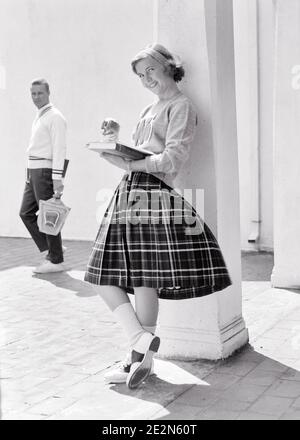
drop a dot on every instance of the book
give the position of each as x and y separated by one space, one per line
119 149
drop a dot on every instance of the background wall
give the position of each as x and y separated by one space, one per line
83 48
248 134
266 91
198 172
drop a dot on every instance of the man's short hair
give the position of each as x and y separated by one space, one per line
40 82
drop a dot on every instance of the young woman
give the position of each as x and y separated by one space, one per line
151 242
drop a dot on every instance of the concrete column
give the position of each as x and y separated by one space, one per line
286 271
246 68
201 32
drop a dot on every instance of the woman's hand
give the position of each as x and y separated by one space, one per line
116 160
110 129
110 137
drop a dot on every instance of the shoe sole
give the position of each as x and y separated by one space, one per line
50 271
143 371
108 380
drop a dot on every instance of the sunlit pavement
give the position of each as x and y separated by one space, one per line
57 339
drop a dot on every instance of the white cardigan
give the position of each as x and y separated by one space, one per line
47 146
166 128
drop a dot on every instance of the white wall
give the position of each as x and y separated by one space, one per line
210 327
247 137
266 78
198 172
83 48
286 271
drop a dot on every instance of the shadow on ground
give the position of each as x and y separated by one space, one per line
71 281
239 387
23 252
257 266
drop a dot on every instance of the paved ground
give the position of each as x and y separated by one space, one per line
57 339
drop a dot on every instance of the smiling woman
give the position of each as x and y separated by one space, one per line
151 242
172 66
158 70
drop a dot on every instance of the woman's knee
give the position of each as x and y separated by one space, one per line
146 301
149 293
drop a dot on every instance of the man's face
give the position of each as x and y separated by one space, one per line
39 94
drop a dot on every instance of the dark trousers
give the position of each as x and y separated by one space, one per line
39 186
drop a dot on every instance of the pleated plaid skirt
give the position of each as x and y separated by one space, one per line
151 236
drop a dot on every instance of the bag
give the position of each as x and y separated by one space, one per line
52 216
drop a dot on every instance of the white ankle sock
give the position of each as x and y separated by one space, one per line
150 328
126 316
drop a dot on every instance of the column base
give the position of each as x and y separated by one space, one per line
285 279
190 344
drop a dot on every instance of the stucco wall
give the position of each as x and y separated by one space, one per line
83 48
198 172
266 77
247 137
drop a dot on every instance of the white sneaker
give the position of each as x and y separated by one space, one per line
142 359
48 267
120 373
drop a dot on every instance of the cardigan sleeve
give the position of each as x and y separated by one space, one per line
179 135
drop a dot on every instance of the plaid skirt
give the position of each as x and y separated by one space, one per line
151 236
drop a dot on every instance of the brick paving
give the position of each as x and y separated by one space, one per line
57 339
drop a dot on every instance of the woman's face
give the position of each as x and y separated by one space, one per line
153 75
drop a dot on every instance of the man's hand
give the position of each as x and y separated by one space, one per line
58 188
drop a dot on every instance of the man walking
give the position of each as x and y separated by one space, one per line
45 171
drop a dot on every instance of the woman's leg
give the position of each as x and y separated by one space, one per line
146 304
118 302
143 343
146 307
113 296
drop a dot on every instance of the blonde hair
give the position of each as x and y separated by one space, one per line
163 56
